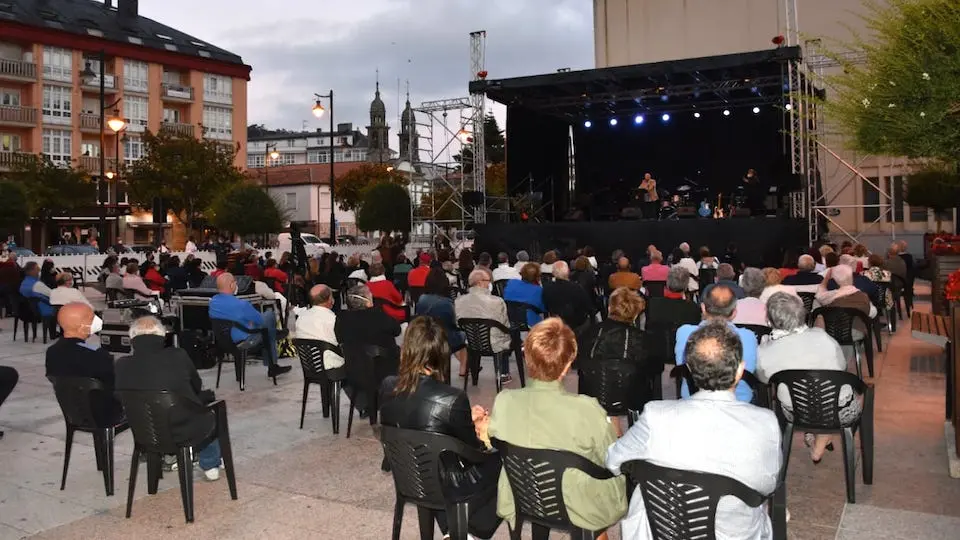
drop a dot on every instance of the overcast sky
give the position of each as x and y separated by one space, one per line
298 47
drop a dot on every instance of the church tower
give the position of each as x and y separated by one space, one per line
378 132
409 140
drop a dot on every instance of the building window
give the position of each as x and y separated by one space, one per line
895 191
287 159
122 196
946 215
135 112
171 116
316 156
218 122
9 142
135 76
871 198
255 161
89 149
56 104
57 64
56 146
291 201
9 97
217 89
132 149
918 214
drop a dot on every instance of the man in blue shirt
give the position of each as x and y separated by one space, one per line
32 287
720 304
227 306
527 290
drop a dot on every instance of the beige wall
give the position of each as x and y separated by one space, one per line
630 32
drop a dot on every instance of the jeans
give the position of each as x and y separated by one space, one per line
255 340
210 456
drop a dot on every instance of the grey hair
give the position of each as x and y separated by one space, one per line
358 297
849 261
147 326
678 278
786 312
842 274
561 270
523 256
476 275
726 272
684 247
753 282
806 262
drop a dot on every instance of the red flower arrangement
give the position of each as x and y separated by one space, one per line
952 289
946 244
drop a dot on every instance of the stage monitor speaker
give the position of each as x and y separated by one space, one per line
686 212
473 198
631 212
741 213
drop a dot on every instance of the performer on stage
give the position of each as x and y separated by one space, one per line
754 192
648 188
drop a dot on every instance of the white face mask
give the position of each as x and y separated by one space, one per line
97 325
490 287
236 289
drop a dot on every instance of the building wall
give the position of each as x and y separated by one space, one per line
313 207
630 32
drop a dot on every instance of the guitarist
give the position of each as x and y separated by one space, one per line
648 189
754 193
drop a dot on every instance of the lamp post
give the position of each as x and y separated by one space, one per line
115 123
269 153
318 112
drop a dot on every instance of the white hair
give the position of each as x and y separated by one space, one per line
806 262
476 275
685 247
561 270
147 326
842 274
786 312
849 261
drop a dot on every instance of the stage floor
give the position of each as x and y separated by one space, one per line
761 240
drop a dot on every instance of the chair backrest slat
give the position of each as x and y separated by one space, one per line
816 398
149 413
85 402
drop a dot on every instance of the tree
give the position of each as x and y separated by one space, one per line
494 144
936 187
496 180
14 210
50 189
246 209
441 205
352 187
188 173
385 208
899 101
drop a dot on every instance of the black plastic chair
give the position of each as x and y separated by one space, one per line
880 302
148 413
683 504
815 404
808 299
415 294
905 290
30 312
366 367
758 330
839 322
22 313
654 288
418 461
536 480
89 407
517 315
498 287
898 286
310 352
706 277
615 383
381 302
761 392
478 346
226 346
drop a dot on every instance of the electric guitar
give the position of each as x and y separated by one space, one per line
704 210
718 209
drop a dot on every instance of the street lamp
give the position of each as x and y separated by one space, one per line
318 111
115 123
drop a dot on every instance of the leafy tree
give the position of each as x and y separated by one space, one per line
440 205
187 172
246 209
51 189
352 187
496 179
494 143
385 208
14 210
899 101
936 187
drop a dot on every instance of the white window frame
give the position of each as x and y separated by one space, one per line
318 156
136 76
92 147
57 64
10 142
218 122
255 161
136 111
217 89
57 146
286 201
57 104
133 149
10 97
172 116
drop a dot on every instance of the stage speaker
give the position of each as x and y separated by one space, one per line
686 212
473 198
631 212
741 212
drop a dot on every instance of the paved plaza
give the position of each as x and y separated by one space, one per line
312 484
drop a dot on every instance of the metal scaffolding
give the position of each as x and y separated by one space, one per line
478 100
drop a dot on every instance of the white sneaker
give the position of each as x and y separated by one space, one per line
212 475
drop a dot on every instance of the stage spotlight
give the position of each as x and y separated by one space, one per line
696 115
726 112
638 119
587 124
788 106
613 121
665 117
756 110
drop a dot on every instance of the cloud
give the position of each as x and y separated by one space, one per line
298 47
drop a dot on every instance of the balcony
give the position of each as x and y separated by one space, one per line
109 84
91 164
176 128
16 70
9 160
11 115
90 123
177 92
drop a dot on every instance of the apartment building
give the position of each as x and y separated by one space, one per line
161 79
305 147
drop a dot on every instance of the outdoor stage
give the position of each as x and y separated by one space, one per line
761 241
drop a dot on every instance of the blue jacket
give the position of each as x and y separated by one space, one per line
441 309
747 338
230 308
518 290
26 291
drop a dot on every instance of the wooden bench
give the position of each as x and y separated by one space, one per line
937 330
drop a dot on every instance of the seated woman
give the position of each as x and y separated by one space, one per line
545 416
419 398
436 303
527 290
794 345
876 273
773 280
380 287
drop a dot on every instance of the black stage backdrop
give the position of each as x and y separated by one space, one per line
713 151
537 149
761 241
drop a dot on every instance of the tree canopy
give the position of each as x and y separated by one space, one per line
246 209
51 189
187 172
494 144
386 208
903 99
936 187
352 187
14 210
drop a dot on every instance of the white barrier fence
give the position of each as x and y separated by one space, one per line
89 265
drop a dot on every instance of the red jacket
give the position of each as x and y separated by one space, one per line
418 276
279 277
154 280
253 270
385 289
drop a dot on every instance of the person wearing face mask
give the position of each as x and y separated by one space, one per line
478 303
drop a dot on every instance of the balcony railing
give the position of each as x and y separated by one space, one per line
17 69
109 82
92 164
89 122
176 91
10 114
9 160
177 128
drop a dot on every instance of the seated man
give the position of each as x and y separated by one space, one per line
527 290
33 287
133 282
153 366
806 279
65 293
727 276
504 270
666 313
114 280
752 310
567 300
381 287
624 277
860 281
720 305
712 432
226 306
479 303
318 322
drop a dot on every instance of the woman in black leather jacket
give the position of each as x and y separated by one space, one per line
419 398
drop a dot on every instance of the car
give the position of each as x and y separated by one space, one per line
312 244
349 239
71 249
23 252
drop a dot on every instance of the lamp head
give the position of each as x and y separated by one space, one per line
115 122
318 109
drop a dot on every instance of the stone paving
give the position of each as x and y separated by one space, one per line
310 483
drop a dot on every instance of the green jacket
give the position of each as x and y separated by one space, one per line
545 416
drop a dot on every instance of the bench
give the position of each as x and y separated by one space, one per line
937 330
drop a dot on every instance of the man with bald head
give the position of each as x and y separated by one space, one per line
226 306
719 305
318 323
624 277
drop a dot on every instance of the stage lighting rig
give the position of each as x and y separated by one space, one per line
638 119
587 124
665 117
696 115
756 110
726 112
613 122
